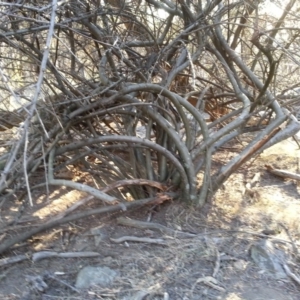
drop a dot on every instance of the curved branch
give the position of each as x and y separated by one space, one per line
169 8
139 142
78 186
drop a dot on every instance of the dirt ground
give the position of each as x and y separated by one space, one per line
215 264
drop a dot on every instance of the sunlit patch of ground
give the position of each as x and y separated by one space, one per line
272 200
61 200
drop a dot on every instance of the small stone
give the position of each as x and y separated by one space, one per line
240 265
88 276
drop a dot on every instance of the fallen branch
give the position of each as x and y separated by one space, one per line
289 273
211 282
63 283
5 245
12 260
156 226
111 187
138 239
47 254
282 173
218 262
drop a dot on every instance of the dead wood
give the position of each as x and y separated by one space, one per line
138 239
291 274
211 282
6 244
156 226
282 173
11 260
47 254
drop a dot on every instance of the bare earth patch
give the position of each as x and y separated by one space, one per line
214 264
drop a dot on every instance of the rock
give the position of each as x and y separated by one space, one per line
88 276
268 258
240 265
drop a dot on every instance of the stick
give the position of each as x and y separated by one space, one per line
156 226
217 264
47 254
4 246
289 273
12 260
291 239
64 283
282 173
211 282
138 239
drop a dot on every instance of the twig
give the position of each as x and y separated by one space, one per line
162 228
217 265
64 283
4 246
45 168
37 93
156 226
282 173
291 239
138 239
25 167
47 254
289 273
211 282
78 186
106 189
12 260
